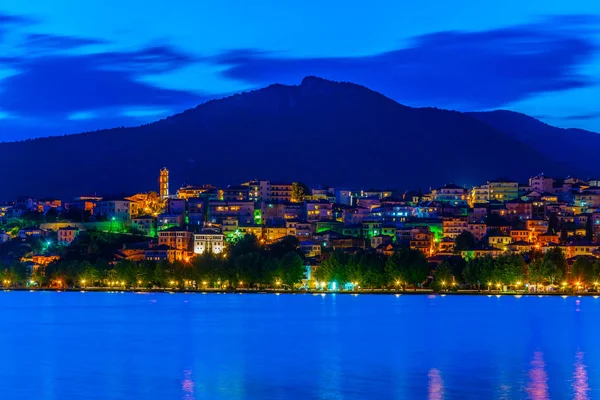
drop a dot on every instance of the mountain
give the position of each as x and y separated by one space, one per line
575 147
320 131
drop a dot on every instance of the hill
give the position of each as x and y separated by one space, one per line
320 131
575 147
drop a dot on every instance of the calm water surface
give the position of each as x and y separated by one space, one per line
231 346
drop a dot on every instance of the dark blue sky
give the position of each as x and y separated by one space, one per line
71 65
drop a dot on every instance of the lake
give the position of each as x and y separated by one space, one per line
74 345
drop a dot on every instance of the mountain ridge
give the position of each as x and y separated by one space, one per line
317 131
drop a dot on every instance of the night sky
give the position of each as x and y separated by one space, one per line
71 65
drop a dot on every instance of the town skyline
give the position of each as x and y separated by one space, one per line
506 232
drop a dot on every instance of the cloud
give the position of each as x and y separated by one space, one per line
9 19
46 42
63 83
55 83
581 117
58 85
463 70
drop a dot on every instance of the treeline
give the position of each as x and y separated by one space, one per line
251 265
248 264
549 268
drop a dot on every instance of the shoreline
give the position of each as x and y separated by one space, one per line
312 292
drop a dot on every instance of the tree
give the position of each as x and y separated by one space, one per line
557 257
589 229
299 192
479 271
509 269
536 272
333 268
564 236
291 269
89 273
443 276
553 223
372 266
495 219
247 244
394 270
51 215
285 245
39 276
408 266
252 269
583 270
464 241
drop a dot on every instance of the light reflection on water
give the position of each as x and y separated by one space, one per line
580 378
436 385
158 346
537 388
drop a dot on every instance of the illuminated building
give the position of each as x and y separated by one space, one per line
176 238
453 226
521 235
67 235
499 240
190 192
274 191
537 227
145 224
421 238
242 210
166 221
503 190
163 183
379 240
274 233
518 209
209 241
541 183
318 210
30 232
166 253
310 248
232 193
477 229
452 194
175 206
301 230
114 210
588 199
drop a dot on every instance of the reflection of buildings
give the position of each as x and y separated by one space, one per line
436 385
580 378
537 388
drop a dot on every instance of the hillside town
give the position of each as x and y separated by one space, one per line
450 229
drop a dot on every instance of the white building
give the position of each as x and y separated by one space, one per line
117 210
209 241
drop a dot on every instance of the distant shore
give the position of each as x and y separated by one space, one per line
307 292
